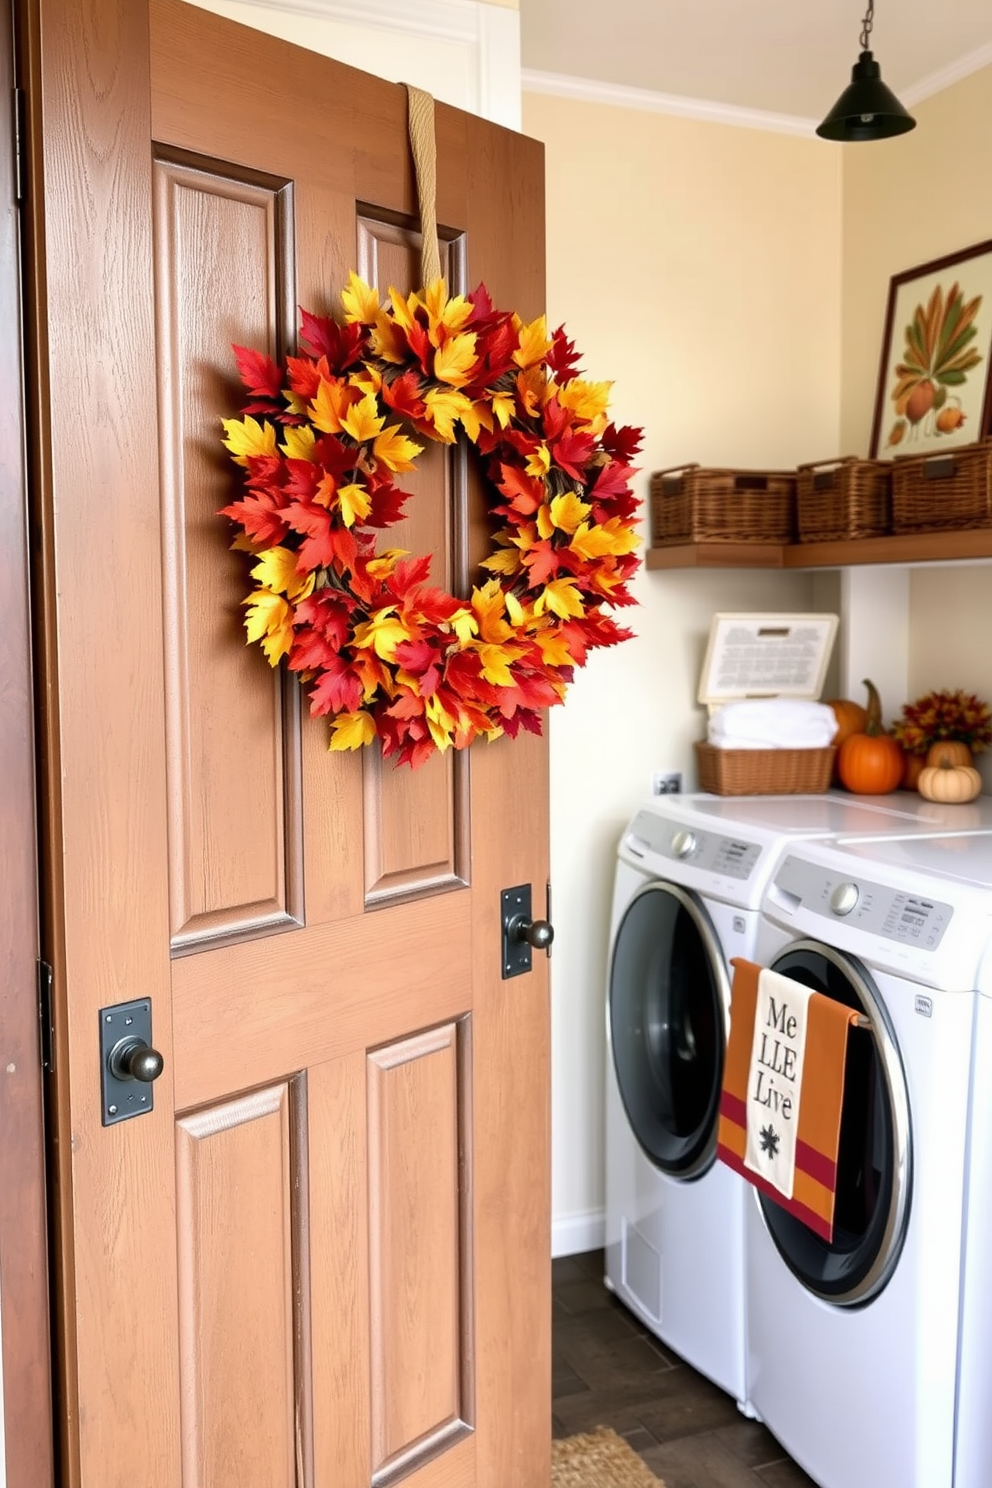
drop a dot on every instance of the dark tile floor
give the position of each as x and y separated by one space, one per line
610 1371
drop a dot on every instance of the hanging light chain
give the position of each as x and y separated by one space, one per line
866 26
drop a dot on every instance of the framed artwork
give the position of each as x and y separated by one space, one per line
934 382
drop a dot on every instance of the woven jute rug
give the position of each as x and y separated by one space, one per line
599 1459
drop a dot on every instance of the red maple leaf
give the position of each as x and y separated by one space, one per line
262 516
329 612
335 690
259 373
403 394
563 358
542 562
623 444
342 345
525 494
572 453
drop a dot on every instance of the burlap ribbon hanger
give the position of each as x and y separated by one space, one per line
420 116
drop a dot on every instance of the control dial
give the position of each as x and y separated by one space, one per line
683 843
844 897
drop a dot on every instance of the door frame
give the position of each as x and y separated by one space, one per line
24 1292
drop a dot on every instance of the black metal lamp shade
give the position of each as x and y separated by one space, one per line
867 110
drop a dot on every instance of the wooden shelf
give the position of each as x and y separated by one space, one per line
918 547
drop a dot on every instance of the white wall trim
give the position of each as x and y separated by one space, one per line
487 35
574 1234
936 82
585 90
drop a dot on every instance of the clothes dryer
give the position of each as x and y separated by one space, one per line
690 877
867 1356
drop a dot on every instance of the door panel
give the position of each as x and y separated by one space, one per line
323 1258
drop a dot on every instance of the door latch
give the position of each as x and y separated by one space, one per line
521 933
128 1063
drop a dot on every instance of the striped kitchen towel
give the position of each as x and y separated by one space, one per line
783 1091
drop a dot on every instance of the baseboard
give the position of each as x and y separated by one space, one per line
574 1234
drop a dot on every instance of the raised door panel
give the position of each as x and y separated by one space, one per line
223 274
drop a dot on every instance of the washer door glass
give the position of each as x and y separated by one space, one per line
668 1008
874 1162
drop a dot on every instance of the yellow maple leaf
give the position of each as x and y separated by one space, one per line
587 400
531 390
476 417
561 597
331 405
490 609
360 301
554 648
442 312
611 539
354 503
544 522
503 406
568 510
395 449
534 343
269 619
465 626
384 631
496 664
367 379
404 308
352 730
506 561
440 723
388 341
539 461
363 421
276 571
454 362
519 616
298 442
246 437
445 406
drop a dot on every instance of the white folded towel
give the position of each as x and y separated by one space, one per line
773 723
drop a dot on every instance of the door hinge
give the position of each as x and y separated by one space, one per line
46 1026
20 164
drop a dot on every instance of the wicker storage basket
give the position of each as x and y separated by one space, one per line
763 772
933 493
838 499
692 504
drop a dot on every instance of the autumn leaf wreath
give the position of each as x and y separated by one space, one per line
320 441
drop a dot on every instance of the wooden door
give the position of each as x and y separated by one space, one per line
323 1257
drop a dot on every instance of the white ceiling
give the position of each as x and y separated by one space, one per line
790 57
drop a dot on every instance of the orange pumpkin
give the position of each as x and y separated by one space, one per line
946 752
851 719
871 763
913 766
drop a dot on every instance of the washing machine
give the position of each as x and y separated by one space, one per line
690 877
868 1357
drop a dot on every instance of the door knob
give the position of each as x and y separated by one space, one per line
133 1059
536 933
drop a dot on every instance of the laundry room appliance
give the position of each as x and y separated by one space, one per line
866 1357
689 881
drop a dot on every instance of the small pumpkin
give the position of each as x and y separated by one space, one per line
913 766
949 783
870 763
851 719
949 752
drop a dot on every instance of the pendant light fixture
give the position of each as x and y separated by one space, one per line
867 110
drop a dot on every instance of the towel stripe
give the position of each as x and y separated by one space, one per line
820 1110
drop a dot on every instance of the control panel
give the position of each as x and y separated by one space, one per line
879 909
710 852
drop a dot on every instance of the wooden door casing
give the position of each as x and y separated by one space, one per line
323 1257
26 1400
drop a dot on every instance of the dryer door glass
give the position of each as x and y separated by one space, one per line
874 1162
667 1008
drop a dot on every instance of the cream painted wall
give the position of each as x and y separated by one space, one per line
698 266
905 202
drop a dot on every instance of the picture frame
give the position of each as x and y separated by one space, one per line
935 375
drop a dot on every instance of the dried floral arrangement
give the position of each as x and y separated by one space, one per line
955 715
383 652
